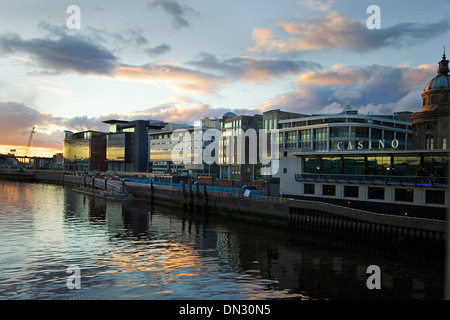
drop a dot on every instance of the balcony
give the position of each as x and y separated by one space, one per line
375 180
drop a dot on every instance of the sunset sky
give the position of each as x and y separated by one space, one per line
182 60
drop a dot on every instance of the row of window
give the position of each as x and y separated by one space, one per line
377 165
378 193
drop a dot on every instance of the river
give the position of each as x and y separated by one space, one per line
143 252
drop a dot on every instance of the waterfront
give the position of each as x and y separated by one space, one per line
136 251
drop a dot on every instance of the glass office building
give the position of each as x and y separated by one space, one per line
127 144
84 151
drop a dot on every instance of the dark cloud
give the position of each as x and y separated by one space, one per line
65 54
156 51
254 70
178 12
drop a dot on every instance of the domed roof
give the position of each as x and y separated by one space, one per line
442 80
229 115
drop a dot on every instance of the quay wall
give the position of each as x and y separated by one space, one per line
324 218
328 219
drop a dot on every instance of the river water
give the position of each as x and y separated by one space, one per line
136 251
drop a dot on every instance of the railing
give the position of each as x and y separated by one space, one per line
105 184
374 179
210 189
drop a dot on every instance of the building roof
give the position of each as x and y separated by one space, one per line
442 80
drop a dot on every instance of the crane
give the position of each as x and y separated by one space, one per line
29 142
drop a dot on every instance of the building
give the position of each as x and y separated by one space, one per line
85 151
347 130
378 163
161 147
431 124
163 142
57 161
8 161
127 144
385 181
234 163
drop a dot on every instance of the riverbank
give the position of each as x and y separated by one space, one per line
295 214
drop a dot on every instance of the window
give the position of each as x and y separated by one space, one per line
354 165
328 190
444 143
429 142
406 195
284 170
351 192
435 196
376 193
309 188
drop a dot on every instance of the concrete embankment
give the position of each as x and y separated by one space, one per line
324 218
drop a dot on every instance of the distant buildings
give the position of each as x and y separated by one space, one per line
229 152
162 148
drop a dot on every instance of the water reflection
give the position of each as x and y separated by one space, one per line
136 251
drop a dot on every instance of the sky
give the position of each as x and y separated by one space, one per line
183 60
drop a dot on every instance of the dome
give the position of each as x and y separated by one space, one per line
439 83
442 80
229 115
436 96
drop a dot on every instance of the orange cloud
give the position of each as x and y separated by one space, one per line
336 31
175 77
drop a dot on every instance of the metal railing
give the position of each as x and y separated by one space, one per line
105 184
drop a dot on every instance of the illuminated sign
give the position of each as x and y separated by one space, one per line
360 145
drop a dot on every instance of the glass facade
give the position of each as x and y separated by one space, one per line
116 147
76 150
354 165
379 165
346 132
331 165
84 151
406 165
436 165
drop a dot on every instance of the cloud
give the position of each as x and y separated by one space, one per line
335 31
66 54
375 88
173 76
253 70
316 5
178 12
81 55
16 123
156 51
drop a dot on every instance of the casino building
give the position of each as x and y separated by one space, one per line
379 163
